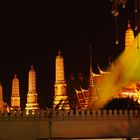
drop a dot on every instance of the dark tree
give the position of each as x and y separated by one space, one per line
122 103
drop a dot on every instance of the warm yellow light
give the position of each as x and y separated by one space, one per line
125 71
61 102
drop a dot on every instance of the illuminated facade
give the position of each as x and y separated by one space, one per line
86 98
130 90
60 95
32 100
15 97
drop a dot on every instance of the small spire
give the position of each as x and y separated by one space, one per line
15 75
32 67
91 83
59 52
90 56
110 60
128 25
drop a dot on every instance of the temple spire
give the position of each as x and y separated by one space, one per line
1 94
32 67
1 99
59 53
15 97
60 97
32 99
91 88
59 69
91 83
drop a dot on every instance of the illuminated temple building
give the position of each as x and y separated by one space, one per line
131 90
83 107
66 94
86 98
64 98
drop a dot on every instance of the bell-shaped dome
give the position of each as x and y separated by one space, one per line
129 36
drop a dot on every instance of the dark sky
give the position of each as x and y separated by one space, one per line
34 33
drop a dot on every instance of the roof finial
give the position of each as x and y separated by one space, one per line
32 67
15 75
129 26
110 60
90 70
90 57
59 52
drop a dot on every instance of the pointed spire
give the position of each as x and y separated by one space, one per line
117 40
32 79
90 57
15 75
1 98
15 96
91 83
0 88
32 97
91 89
59 52
60 87
32 67
59 55
128 25
15 86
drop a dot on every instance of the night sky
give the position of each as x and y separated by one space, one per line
34 33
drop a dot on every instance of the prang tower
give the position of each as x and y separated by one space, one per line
60 97
32 100
91 88
15 96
